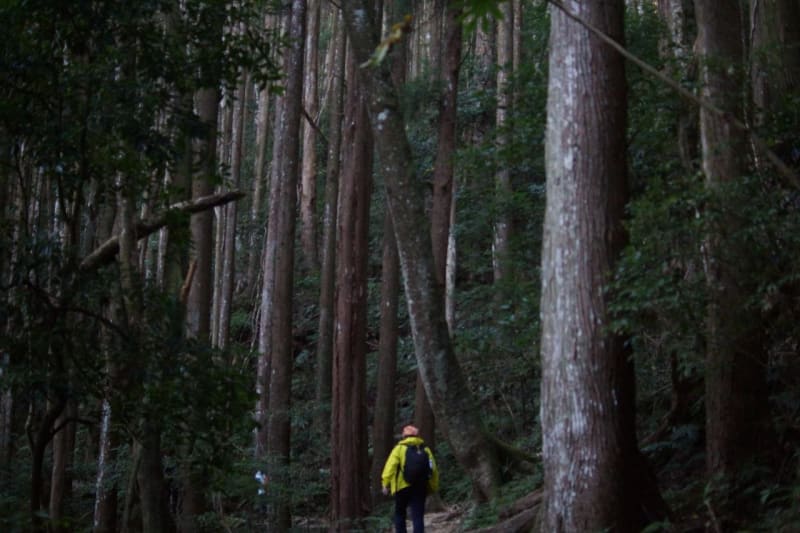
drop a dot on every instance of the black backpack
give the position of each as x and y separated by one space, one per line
417 468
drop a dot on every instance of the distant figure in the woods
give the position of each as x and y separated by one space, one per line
409 474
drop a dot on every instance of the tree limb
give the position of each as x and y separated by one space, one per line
105 253
758 142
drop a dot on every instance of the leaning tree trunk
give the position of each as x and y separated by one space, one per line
452 401
592 466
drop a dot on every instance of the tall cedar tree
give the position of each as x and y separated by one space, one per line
592 465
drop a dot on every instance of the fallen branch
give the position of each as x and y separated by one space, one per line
106 252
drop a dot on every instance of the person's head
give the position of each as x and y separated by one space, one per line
410 431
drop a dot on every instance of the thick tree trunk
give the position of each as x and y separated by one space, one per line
591 460
445 384
350 490
737 413
329 217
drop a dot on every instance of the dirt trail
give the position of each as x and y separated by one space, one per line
446 521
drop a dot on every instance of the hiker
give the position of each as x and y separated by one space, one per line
409 474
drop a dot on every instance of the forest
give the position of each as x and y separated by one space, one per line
243 243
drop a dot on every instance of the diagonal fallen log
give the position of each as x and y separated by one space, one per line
106 252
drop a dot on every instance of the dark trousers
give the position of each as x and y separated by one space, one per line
413 497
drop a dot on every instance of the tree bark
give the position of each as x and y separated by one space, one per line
445 384
591 460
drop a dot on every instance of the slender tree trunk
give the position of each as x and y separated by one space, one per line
678 16
260 174
445 384
329 218
503 191
592 465
227 112
350 491
737 412
198 308
105 503
198 304
231 214
280 237
384 416
308 196
516 63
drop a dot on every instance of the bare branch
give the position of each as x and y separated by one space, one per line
105 252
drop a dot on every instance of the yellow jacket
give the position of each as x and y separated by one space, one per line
392 475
